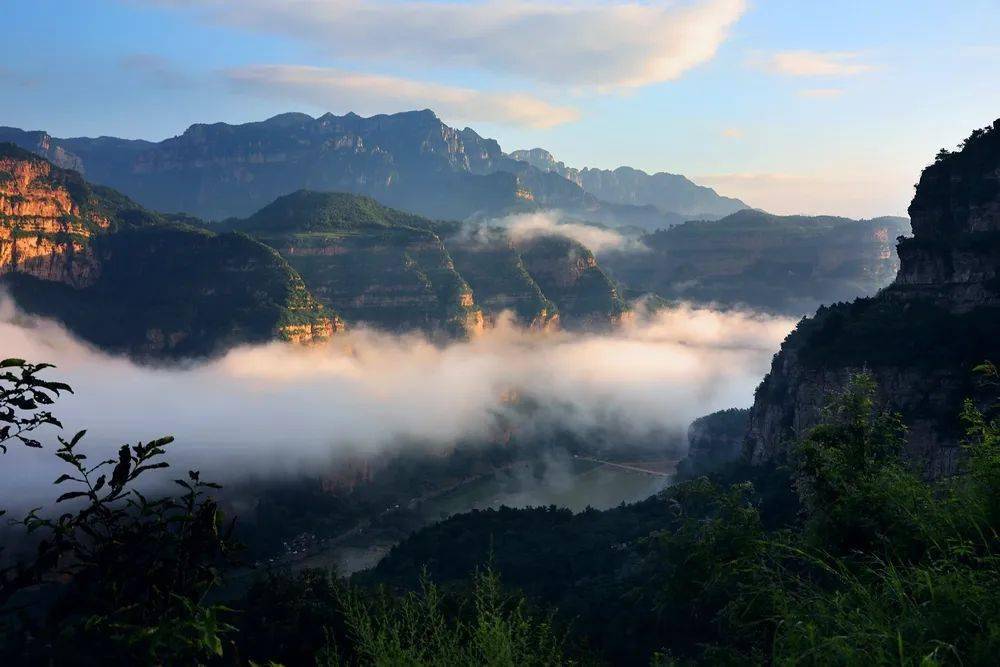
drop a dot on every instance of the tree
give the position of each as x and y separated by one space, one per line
128 574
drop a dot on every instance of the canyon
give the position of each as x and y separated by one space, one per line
921 337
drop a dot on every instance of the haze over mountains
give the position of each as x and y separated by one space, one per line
670 193
408 160
131 280
292 183
789 264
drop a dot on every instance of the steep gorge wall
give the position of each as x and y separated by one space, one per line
43 230
921 336
128 280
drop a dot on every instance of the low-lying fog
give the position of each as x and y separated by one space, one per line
278 409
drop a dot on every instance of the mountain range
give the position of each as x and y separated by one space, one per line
670 193
788 264
126 278
411 161
301 268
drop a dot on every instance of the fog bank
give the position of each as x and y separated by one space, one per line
278 408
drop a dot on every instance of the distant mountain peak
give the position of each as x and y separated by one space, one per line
289 118
670 193
409 160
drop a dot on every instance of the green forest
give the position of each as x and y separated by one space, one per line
838 554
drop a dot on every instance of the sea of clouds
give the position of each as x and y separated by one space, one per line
282 409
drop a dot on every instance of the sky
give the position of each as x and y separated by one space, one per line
796 107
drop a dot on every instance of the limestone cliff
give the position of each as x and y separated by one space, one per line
46 221
131 280
714 440
569 275
500 280
921 336
373 264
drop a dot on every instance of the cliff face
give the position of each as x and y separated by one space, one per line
45 227
501 282
568 274
954 257
370 263
786 264
401 272
919 337
715 439
129 280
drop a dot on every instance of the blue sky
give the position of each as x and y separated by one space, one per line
811 107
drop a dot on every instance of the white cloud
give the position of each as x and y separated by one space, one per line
333 89
815 63
587 43
273 408
524 226
821 93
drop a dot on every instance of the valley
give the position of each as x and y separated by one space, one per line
448 333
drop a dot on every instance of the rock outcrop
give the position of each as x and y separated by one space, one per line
500 281
714 440
46 222
130 280
400 272
921 336
370 263
568 273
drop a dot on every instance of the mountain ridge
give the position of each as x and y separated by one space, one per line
921 336
409 160
671 193
131 280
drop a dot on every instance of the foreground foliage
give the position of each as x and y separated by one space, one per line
116 572
840 556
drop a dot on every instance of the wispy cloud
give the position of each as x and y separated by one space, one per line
821 93
732 133
334 89
814 63
524 226
155 69
590 43
374 393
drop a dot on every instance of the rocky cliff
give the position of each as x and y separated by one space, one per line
568 274
714 440
921 336
501 282
400 272
371 263
46 221
130 280
408 160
